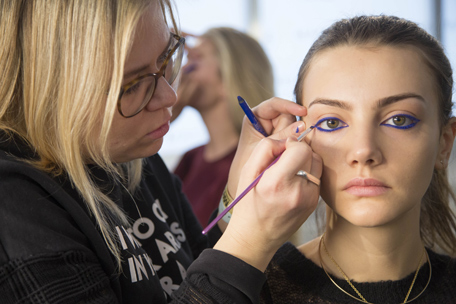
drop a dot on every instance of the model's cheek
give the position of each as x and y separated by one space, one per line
328 143
419 163
331 147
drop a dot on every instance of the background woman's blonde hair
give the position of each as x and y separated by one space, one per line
244 67
62 64
438 221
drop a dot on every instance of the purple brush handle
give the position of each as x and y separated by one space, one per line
237 199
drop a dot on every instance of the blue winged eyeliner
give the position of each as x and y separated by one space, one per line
317 125
411 124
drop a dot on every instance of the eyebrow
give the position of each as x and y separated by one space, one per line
332 103
144 67
383 102
395 98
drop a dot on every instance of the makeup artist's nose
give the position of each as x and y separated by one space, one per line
364 149
164 96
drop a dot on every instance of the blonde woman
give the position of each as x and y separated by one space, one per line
224 64
88 211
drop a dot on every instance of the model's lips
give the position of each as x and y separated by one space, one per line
366 187
160 131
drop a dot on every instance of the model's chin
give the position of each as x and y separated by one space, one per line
368 220
373 216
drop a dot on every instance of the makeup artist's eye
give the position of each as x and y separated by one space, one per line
402 121
133 88
330 124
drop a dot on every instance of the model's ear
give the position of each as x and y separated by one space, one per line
446 144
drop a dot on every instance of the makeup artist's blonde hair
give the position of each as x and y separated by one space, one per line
438 221
244 67
62 65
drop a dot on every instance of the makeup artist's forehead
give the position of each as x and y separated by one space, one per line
355 73
151 38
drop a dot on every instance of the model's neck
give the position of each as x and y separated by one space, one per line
223 137
389 252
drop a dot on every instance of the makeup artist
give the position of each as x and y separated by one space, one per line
88 211
223 64
378 90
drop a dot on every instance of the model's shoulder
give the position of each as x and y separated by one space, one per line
442 261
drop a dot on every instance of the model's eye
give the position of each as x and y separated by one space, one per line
402 121
330 124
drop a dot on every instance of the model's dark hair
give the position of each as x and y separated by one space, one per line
438 222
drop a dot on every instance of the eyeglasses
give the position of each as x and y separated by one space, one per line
135 95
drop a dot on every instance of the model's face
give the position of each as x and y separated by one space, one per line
204 70
142 135
377 130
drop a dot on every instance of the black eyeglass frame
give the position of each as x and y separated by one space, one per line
180 44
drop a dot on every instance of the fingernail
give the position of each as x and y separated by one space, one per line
301 127
189 68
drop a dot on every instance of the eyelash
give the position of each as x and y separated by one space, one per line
409 123
317 125
132 89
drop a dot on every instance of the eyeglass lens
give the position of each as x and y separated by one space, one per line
135 98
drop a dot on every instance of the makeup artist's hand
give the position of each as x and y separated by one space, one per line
187 91
278 205
278 118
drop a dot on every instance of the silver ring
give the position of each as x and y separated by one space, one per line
302 173
308 177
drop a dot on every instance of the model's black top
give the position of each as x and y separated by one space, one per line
292 278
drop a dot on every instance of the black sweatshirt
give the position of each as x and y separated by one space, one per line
51 250
292 278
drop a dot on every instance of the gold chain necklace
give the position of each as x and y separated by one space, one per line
361 298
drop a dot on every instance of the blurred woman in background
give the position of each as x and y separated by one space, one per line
224 63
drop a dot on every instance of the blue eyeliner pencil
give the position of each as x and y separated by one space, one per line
256 124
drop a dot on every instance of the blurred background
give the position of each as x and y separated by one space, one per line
286 31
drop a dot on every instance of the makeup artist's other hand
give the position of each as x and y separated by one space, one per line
277 206
278 118
187 91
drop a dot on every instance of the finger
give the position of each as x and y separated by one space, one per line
312 162
292 130
262 156
317 165
182 33
187 34
188 68
297 156
276 106
282 122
